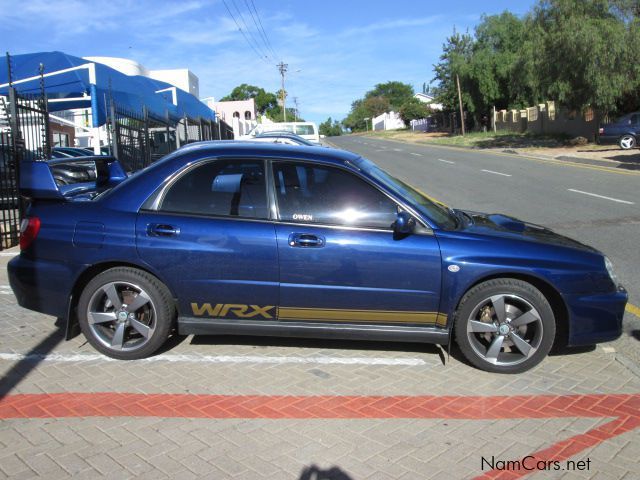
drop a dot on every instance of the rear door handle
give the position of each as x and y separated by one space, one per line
162 230
306 240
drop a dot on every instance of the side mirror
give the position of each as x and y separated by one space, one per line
404 223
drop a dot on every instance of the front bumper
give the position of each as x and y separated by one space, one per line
41 285
595 318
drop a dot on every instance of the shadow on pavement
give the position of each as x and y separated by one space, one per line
21 369
635 334
314 473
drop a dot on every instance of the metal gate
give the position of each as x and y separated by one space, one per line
24 135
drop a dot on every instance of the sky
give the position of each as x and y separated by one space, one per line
335 50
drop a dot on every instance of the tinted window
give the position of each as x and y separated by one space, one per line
311 194
227 188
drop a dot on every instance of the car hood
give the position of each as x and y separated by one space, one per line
498 225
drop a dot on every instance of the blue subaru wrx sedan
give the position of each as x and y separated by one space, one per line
257 239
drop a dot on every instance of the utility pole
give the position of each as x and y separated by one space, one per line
460 103
295 102
283 69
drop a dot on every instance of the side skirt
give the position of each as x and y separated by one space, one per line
341 331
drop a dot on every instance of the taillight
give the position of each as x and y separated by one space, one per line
29 229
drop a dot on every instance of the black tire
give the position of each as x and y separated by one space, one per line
627 142
124 338
527 318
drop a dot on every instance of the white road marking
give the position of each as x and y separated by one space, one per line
416 154
9 254
497 173
446 161
601 196
398 150
233 359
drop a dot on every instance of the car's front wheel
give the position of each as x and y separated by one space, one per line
504 325
627 142
125 313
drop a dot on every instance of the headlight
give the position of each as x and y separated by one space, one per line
609 266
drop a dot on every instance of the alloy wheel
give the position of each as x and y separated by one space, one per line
504 329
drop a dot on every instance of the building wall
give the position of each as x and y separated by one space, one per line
387 121
182 78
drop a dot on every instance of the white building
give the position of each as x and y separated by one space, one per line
387 121
429 100
183 78
240 114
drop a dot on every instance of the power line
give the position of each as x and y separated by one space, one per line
262 30
243 34
248 30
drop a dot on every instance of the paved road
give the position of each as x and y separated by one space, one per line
595 205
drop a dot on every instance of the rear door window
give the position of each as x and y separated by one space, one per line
221 188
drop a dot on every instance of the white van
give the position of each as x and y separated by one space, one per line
306 130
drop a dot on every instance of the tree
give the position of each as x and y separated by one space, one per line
413 109
455 60
584 52
264 100
375 102
396 93
330 128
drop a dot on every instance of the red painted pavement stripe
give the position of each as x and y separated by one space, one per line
58 405
624 409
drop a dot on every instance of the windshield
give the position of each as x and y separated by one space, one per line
438 212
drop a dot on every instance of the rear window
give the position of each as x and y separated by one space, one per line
305 130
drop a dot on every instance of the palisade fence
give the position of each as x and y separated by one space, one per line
137 140
24 135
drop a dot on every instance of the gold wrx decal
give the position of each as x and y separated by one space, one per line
224 309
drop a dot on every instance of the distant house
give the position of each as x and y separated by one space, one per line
387 121
240 114
429 100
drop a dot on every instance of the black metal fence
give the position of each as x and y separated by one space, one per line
139 140
24 135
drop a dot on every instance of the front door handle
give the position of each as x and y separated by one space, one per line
306 240
162 230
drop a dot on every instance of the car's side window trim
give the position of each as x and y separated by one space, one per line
425 228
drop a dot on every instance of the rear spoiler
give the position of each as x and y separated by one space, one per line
37 181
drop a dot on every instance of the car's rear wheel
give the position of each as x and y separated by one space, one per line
126 313
627 142
504 326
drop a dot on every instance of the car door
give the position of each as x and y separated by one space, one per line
210 238
340 260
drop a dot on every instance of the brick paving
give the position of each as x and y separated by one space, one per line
213 407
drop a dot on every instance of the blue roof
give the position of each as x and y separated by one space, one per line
131 92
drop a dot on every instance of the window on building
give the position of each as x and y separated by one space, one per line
60 139
247 115
236 114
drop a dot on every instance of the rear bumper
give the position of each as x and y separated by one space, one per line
596 318
42 286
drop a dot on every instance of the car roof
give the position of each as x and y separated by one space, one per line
258 149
